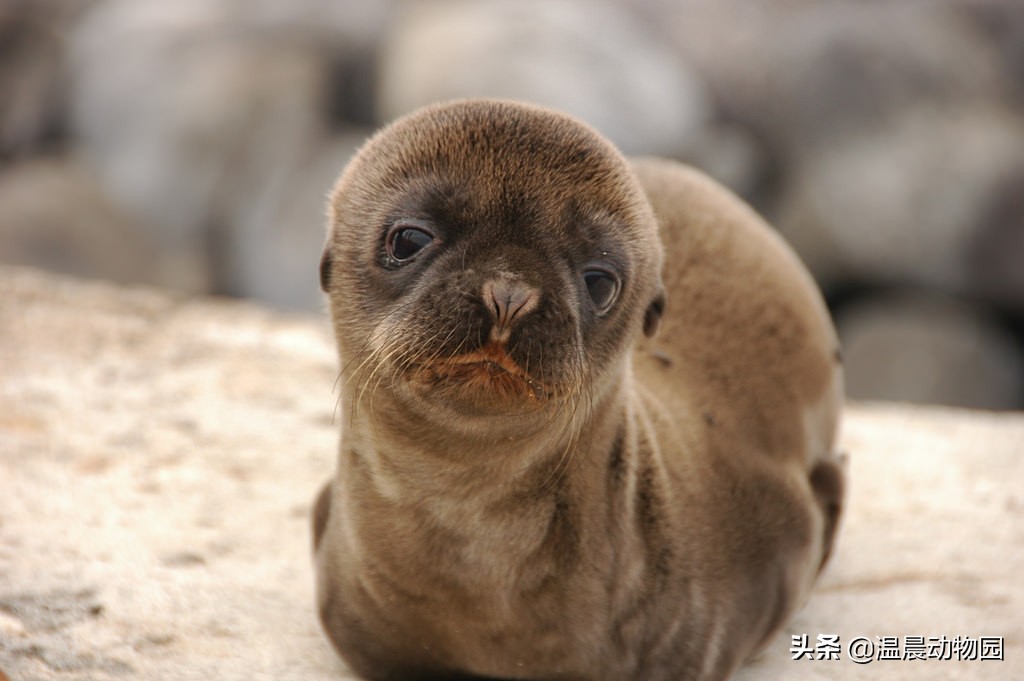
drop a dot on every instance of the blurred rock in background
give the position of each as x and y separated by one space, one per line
904 204
192 144
928 348
55 215
209 118
33 37
592 59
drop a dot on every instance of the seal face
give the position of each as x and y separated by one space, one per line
479 254
528 485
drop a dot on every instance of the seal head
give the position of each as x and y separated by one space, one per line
488 259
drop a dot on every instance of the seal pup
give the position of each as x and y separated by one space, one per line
534 481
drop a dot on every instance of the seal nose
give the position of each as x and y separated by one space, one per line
508 301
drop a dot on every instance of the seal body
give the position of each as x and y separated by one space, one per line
589 408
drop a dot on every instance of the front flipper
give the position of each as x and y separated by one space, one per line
828 480
321 512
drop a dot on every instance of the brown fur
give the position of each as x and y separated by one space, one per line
566 499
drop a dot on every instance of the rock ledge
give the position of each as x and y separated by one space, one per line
158 458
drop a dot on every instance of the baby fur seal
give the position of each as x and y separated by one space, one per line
530 485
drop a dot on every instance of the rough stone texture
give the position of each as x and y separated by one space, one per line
158 458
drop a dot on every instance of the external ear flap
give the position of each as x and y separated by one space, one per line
325 268
652 317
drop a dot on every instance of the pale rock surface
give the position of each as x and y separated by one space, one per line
158 458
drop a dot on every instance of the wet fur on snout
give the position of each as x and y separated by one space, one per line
591 497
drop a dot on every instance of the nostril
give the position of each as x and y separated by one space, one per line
508 300
496 304
508 303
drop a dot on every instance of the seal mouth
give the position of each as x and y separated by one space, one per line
489 372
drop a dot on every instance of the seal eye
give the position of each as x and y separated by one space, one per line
404 242
603 288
